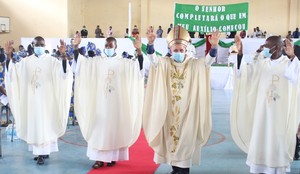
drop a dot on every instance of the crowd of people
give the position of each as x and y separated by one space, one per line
110 115
257 33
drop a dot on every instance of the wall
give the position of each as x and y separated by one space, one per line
298 11
273 16
110 13
47 18
62 18
75 16
274 19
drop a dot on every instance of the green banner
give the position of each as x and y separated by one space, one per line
221 43
205 19
199 43
297 43
225 45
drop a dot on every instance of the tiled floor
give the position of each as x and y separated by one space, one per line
220 156
224 157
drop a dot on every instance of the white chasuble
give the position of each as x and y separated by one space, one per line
108 101
177 110
265 112
39 94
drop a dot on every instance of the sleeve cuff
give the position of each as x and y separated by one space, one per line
213 52
239 60
150 49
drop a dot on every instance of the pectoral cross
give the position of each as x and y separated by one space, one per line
108 86
34 79
272 93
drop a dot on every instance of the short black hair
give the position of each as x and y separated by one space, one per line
276 39
38 38
109 39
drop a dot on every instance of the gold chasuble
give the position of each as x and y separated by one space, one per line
265 111
109 95
177 110
39 94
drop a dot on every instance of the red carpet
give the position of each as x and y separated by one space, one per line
140 160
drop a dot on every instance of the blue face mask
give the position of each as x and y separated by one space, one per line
39 50
266 52
178 57
109 52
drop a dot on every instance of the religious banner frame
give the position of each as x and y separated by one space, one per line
209 18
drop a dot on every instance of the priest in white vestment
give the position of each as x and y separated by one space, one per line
265 106
108 102
39 93
177 108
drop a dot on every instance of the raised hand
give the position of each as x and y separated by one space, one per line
9 49
62 49
151 36
137 42
288 48
214 39
238 43
76 41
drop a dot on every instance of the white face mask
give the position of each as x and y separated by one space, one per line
109 52
266 52
39 50
178 57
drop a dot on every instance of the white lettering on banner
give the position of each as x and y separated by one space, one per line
222 17
225 28
230 17
207 18
242 15
212 8
185 26
235 27
205 28
188 16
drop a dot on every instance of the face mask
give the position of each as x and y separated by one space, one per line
39 50
109 52
266 52
178 57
